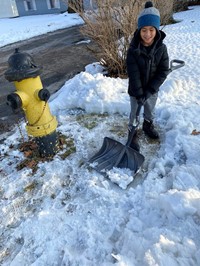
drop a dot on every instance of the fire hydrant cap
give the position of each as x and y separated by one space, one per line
21 66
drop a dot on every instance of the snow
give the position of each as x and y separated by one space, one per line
66 213
22 28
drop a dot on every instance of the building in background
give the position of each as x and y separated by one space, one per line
14 8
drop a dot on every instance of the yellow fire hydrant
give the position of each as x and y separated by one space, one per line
32 98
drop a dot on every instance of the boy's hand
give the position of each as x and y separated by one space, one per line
141 99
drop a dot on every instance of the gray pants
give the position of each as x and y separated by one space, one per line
148 108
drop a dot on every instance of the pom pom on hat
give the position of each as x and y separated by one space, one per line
149 16
148 4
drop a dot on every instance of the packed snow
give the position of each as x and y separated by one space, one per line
66 213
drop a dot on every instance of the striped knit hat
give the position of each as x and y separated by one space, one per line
149 16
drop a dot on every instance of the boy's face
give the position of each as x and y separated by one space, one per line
147 35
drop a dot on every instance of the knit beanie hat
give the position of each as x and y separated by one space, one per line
149 16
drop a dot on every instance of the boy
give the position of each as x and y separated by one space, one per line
147 67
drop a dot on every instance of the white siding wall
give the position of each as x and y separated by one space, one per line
8 9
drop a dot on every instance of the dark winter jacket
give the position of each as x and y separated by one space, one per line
147 70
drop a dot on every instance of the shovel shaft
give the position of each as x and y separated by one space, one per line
133 129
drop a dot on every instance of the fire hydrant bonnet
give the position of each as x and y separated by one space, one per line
149 16
21 66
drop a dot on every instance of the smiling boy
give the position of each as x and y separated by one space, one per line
147 68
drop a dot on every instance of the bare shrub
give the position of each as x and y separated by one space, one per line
77 3
166 10
180 5
111 24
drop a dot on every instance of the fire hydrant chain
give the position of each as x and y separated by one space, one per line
20 130
33 124
19 126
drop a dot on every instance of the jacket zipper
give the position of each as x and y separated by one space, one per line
149 62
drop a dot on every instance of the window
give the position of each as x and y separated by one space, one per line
53 4
29 5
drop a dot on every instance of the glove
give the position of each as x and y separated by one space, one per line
141 99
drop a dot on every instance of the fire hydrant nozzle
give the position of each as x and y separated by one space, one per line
14 101
32 98
44 95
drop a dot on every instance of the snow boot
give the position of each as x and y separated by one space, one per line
134 142
149 129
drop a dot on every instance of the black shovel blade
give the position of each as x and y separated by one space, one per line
114 154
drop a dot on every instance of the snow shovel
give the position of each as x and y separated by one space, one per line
115 154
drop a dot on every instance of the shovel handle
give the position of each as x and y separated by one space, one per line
132 132
175 64
138 111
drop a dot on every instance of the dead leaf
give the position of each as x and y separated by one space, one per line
195 132
28 153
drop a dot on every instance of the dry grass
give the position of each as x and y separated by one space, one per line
111 24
